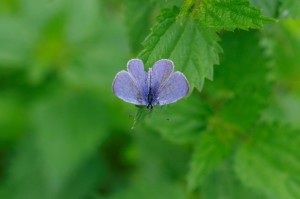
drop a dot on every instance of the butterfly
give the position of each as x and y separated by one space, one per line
159 86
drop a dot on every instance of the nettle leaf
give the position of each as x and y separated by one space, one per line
270 162
223 183
230 14
193 49
283 43
171 124
138 19
211 150
241 82
237 98
290 9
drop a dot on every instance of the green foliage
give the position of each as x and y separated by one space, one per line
290 9
230 14
222 183
196 46
270 162
244 82
170 123
63 134
211 149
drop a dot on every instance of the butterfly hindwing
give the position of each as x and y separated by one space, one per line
159 86
174 88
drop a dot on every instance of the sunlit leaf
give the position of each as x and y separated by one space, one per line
230 14
193 49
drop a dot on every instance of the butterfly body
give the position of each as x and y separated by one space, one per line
159 86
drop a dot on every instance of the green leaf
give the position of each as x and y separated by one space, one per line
182 122
241 80
223 184
241 88
270 162
283 43
154 161
138 20
193 49
230 14
211 150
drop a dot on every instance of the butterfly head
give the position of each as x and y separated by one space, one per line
149 106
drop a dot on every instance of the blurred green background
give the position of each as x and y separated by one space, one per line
63 134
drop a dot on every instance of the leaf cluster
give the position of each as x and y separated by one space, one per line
64 135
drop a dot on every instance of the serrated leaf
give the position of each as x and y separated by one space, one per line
270 162
193 49
230 14
211 150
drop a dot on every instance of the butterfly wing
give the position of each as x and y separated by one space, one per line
136 69
160 72
126 88
174 88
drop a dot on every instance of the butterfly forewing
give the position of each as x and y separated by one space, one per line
125 87
160 72
175 88
136 68
159 86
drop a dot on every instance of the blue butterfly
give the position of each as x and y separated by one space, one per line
159 86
